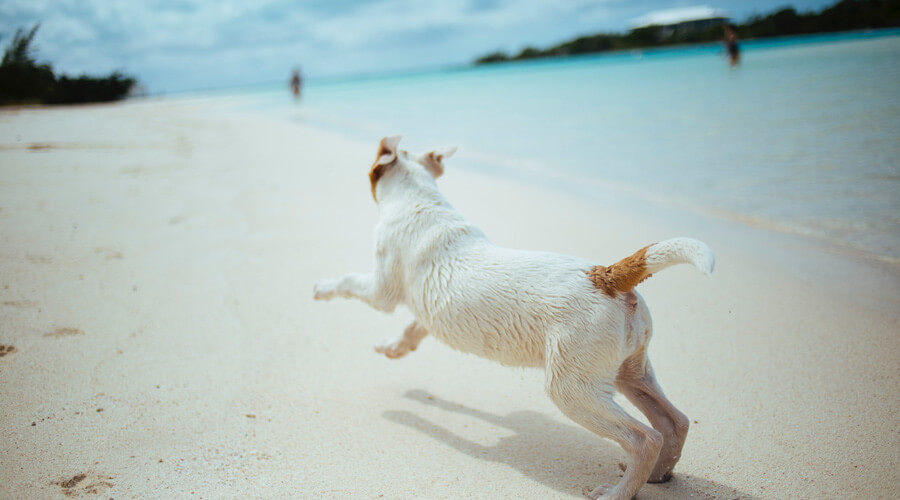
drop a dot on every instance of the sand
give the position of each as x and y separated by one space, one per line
158 337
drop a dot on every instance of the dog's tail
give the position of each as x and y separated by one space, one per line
624 275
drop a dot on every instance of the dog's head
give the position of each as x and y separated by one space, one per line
390 160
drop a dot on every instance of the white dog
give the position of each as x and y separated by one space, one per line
583 323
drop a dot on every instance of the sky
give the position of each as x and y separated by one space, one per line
172 46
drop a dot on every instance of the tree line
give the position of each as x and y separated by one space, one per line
846 15
23 80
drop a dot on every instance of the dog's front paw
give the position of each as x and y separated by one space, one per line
394 348
325 289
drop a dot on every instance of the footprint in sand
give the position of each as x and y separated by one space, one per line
86 483
19 303
7 349
39 259
108 253
39 146
64 332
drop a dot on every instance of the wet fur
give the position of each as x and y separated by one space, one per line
581 322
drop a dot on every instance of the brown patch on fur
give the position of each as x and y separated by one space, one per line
631 301
432 162
377 172
622 276
384 159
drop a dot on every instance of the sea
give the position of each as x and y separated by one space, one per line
802 137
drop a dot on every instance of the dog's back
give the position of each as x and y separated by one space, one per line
500 303
490 301
505 304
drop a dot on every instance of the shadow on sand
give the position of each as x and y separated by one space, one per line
567 458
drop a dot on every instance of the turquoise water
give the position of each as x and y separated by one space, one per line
804 136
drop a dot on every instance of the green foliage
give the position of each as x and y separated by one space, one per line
493 57
25 81
528 53
87 89
585 44
19 51
842 16
22 79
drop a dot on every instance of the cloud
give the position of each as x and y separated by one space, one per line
248 40
182 44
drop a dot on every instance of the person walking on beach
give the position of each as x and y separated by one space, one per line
296 84
733 52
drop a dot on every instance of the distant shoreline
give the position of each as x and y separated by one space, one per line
843 16
751 43
313 82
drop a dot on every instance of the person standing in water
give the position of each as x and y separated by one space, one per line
733 52
296 84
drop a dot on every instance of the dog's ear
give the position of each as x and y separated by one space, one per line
433 160
387 154
387 150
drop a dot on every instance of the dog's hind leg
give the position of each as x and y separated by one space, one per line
399 347
637 383
588 401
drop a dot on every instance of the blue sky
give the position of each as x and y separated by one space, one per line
177 45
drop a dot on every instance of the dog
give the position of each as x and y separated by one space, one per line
583 323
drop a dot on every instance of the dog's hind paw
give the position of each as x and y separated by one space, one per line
602 492
661 478
394 348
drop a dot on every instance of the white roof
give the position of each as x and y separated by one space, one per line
678 15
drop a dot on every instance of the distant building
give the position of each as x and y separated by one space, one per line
681 19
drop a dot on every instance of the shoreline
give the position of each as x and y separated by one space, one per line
703 47
833 265
864 215
840 194
539 175
510 167
156 283
622 193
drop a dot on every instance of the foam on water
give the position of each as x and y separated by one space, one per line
803 136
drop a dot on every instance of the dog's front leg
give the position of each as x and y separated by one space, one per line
369 288
402 345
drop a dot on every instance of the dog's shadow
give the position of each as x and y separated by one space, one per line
566 458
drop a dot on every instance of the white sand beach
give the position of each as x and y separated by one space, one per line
160 339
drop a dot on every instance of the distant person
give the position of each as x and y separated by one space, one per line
733 52
296 84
